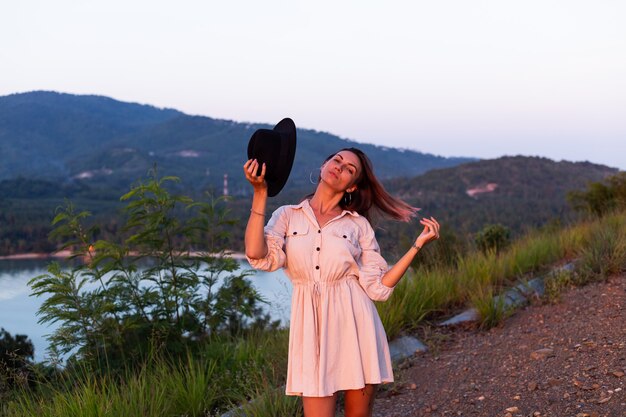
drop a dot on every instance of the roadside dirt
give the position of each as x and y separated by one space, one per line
548 360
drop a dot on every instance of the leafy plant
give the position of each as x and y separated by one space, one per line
168 285
493 237
601 198
16 354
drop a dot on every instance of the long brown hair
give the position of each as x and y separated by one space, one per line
370 197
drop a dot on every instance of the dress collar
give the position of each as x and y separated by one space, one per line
306 206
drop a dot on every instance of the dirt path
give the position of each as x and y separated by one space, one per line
559 360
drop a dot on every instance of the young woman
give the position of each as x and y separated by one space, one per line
328 249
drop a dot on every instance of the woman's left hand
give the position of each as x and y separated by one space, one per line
430 232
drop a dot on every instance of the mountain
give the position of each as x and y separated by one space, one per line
106 143
517 191
90 149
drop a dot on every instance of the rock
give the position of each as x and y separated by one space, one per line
532 386
508 415
512 410
481 398
618 374
412 386
542 353
470 315
405 347
553 382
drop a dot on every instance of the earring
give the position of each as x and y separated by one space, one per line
347 199
311 178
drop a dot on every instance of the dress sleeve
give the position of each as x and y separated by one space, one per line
275 240
372 267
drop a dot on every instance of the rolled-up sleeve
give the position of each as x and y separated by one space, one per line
372 266
275 241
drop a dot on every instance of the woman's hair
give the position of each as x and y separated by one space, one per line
370 195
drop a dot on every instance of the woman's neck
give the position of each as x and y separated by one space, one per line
325 201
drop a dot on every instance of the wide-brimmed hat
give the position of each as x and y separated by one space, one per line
277 149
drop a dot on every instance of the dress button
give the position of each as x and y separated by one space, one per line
317 267
319 230
317 249
344 236
295 233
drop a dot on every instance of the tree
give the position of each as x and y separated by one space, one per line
493 237
601 197
167 286
16 354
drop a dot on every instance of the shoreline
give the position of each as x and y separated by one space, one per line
67 254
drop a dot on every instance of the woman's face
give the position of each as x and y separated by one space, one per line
341 171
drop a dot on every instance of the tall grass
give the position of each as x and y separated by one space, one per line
600 245
605 254
228 373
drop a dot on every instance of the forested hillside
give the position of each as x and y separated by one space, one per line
90 149
105 143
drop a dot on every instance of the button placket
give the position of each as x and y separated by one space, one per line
316 256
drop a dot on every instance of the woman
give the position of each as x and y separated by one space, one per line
328 249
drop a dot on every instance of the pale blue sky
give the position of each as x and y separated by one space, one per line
455 78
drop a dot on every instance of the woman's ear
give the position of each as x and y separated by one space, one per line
351 189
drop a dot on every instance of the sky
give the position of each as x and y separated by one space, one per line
481 78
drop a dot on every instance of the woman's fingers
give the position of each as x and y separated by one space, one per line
251 167
431 228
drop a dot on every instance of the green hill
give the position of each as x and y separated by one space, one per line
91 148
106 143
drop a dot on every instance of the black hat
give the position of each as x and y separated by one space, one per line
277 148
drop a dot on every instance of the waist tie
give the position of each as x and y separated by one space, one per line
316 321
316 295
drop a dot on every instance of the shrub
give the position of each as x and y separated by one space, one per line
16 354
493 237
154 291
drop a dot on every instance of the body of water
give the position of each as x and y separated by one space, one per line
18 310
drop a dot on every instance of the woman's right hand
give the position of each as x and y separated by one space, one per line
250 168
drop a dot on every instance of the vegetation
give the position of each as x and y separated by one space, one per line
601 198
16 354
493 237
154 290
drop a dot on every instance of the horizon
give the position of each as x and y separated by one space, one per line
482 79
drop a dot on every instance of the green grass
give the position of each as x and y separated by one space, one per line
599 245
229 372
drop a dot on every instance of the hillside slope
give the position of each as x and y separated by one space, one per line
108 143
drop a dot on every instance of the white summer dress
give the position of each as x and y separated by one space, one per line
336 339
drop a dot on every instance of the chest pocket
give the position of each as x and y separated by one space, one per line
297 229
349 238
296 239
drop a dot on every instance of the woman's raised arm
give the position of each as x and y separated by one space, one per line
256 247
430 233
